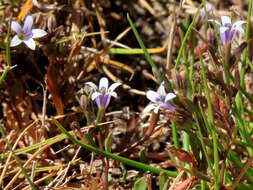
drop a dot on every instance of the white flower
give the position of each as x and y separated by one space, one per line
228 31
207 10
103 94
159 99
26 33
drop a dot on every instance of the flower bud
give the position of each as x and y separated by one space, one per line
83 101
179 81
210 36
51 22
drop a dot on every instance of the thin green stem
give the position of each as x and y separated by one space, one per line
211 123
100 115
246 51
186 36
8 56
201 137
129 162
155 70
174 134
137 35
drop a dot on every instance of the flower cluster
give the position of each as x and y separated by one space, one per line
159 100
102 94
228 31
26 34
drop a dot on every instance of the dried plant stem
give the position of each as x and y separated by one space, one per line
100 138
171 37
124 160
22 169
153 121
125 86
212 126
40 180
14 147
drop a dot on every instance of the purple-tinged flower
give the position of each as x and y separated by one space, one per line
159 100
26 33
207 10
103 93
228 31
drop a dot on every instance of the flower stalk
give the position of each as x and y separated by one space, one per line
102 95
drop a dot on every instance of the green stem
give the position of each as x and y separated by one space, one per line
225 64
211 123
8 56
246 51
155 70
186 36
174 134
201 137
101 136
100 115
129 162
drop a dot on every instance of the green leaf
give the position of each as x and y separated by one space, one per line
143 157
158 75
108 142
140 184
162 180
244 187
183 43
138 37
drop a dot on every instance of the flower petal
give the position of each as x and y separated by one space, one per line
106 101
232 34
223 29
202 15
113 94
169 96
98 101
114 86
30 43
28 24
16 27
226 20
103 83
38 33
161 90
149 108
92 85
208 7
95 95
152 95
238 24
225 36
15 41
240 30
168 106
215 21
205 11
157 109
103 100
